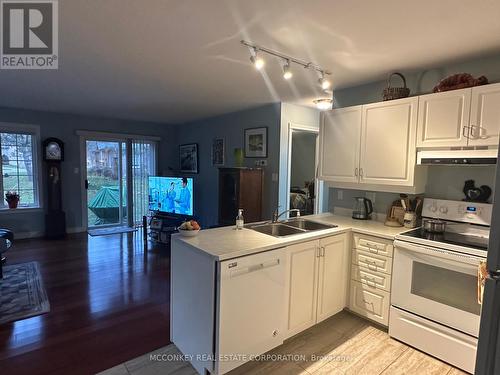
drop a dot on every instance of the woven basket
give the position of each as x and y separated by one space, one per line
391 93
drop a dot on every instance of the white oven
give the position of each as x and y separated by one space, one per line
436 284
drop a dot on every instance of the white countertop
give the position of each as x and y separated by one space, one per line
227 242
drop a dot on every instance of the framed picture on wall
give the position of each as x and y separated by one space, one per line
256 142
188 156
218 152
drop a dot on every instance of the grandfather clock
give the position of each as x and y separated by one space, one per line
55 218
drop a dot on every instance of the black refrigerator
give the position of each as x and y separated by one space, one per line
488 350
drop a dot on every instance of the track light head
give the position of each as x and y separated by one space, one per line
287 73
325 83
257 61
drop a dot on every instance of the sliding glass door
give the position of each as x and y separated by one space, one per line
116 177
106 183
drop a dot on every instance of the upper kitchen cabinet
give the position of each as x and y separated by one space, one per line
443 119
485 115
340 136
388 150
372 147
467 117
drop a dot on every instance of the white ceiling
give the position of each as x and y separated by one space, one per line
177 60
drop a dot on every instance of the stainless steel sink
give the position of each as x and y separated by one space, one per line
290 227
276 229
307 225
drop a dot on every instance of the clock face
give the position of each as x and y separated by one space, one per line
53 151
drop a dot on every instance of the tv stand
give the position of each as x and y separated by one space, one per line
163 225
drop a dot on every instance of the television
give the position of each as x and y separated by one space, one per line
172 195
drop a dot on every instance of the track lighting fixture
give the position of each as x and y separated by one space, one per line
323 104
287 73
258 62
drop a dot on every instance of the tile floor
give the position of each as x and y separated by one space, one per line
344 344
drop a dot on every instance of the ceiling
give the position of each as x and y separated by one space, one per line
177 60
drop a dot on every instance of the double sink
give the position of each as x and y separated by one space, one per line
290 227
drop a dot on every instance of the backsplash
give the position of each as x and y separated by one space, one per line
443 182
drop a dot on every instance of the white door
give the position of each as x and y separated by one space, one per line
443 119
485 115
388 142
339 144
333 276
302 275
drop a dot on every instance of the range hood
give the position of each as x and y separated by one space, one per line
457 157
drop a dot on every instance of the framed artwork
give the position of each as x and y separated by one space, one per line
218 152
188 155
256 142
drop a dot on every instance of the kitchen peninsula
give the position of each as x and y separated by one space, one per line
236 294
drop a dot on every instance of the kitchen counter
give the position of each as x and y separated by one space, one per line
227 243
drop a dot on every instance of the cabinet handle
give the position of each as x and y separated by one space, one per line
480 135
318 252
360 172
466 131
369 280
356 172
323 251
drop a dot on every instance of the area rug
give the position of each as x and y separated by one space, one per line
111 230
22 294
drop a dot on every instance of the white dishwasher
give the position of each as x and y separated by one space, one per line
251 318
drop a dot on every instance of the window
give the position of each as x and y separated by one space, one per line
19 166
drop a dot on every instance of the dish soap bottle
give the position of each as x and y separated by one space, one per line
239 219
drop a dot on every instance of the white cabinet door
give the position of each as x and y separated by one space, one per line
302 275
443 119
485 115
339 144
388 150
333 276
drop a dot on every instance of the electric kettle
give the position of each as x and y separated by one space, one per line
362 208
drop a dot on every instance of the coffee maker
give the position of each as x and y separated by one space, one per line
362 209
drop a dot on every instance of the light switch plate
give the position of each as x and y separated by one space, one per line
340 195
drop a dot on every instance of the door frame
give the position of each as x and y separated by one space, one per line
111 137
318 185
83 174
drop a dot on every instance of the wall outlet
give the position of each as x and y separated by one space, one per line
340 195
261 163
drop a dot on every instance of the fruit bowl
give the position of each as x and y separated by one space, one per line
188 233
189 229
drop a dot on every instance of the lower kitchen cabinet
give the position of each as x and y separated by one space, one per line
371 270
317 274
370 302
333 276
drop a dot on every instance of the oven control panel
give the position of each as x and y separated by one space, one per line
466 212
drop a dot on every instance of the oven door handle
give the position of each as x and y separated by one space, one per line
450 255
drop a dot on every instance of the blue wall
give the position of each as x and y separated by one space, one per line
64 126
231 127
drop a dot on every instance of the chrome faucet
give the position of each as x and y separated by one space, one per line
277 215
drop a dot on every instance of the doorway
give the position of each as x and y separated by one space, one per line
303 190
115 172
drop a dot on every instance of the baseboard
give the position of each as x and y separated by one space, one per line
25 235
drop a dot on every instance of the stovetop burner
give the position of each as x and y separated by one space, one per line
453 238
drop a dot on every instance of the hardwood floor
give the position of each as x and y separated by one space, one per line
109 303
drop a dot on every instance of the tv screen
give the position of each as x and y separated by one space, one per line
171 195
